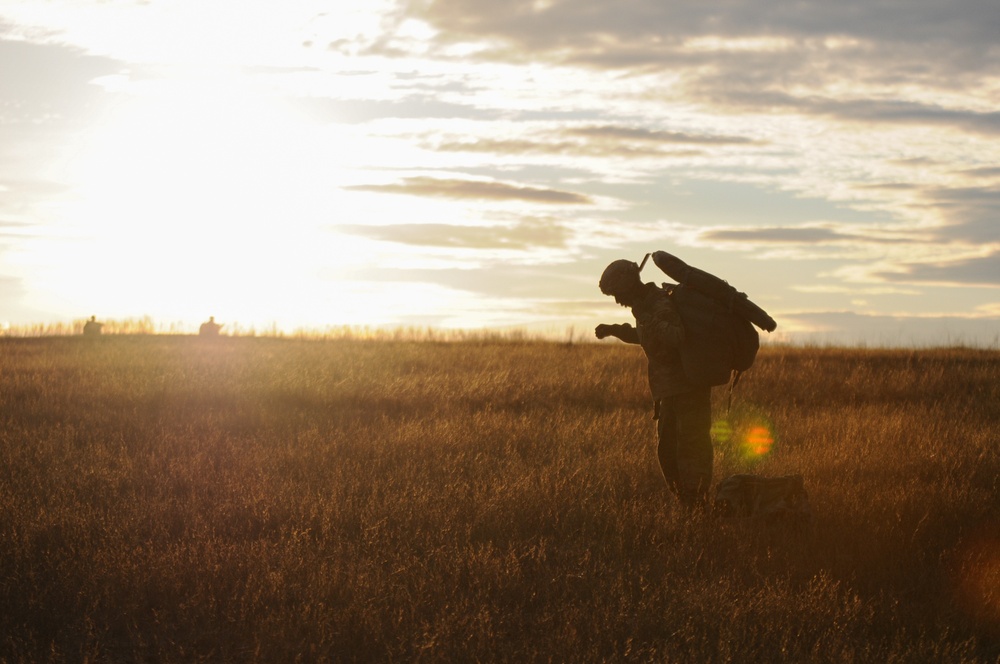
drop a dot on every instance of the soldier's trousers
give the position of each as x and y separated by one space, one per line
685 444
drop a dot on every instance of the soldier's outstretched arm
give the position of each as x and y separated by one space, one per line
622 331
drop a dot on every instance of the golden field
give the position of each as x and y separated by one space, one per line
165 499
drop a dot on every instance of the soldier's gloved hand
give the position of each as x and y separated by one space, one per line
603 330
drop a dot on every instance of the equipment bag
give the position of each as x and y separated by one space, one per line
717 342
768 498
720 341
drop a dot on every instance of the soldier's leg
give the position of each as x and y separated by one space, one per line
666 449
694 444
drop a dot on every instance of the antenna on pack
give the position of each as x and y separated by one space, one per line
643 263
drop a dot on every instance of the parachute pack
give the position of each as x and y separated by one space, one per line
721 341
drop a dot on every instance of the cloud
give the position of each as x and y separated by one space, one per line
854 290
507 146
613 133
776 235
983 271
510 147
476 189
596 141
868 111
986 172
355 111
44 82
889 186
519 237
849 328
45 95
569 28
18 196
561 19
499 281
14 229
856 60
11 289
970 214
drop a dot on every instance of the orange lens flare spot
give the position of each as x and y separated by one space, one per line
749 435
758 441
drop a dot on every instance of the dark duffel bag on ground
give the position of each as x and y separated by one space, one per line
768 498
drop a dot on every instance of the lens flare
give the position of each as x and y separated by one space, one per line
758 442
748 433
722 431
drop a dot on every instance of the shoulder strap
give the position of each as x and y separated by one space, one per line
732 384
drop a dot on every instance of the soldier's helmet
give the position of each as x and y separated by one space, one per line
621 275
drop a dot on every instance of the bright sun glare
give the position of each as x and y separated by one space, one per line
208 197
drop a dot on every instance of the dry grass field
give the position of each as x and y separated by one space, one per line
163 499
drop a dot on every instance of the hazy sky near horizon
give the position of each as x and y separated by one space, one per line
468 163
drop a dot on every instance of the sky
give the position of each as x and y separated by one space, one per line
469 164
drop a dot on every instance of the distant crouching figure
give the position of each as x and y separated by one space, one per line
209 328
92 328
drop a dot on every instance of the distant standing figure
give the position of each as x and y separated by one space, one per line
92 328
209 328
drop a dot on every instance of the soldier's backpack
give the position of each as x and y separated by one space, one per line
720 339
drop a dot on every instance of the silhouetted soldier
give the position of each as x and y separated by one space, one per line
209 328
683 410
92 328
